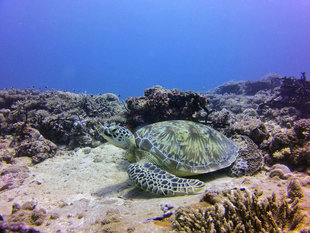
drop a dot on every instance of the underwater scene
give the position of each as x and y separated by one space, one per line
154 116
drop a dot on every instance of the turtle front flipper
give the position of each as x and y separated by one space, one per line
152 179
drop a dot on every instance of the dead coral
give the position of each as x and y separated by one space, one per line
250 126
250 159
293 92
269 82
29 142
160 104
241 211
22 218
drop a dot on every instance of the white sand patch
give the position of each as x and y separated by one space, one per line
90 191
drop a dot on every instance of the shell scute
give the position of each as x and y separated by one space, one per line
187 146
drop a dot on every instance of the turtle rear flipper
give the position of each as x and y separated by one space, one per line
152 179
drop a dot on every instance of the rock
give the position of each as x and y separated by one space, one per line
54 216
29 205
86 150
29 142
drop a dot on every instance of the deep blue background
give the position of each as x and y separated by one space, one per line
125 46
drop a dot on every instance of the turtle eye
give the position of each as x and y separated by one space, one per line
107 132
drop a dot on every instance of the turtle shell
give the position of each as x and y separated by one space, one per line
185 147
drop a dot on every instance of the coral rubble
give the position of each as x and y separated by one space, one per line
23 218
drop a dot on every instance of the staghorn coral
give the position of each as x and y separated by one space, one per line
241 211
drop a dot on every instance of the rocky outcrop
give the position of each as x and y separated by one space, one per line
159 104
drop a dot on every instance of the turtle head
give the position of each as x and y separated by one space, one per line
119 136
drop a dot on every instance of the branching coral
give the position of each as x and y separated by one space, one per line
241 211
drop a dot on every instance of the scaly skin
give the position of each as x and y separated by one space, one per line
146 175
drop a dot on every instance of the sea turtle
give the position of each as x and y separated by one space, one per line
162 152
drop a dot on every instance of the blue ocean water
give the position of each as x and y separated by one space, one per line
125 46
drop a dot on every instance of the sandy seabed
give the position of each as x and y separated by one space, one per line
89 191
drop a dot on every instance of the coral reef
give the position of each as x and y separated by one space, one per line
269 120
62 117
269 82
290 146
241 211
293 93
160 104
268 113
249 125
